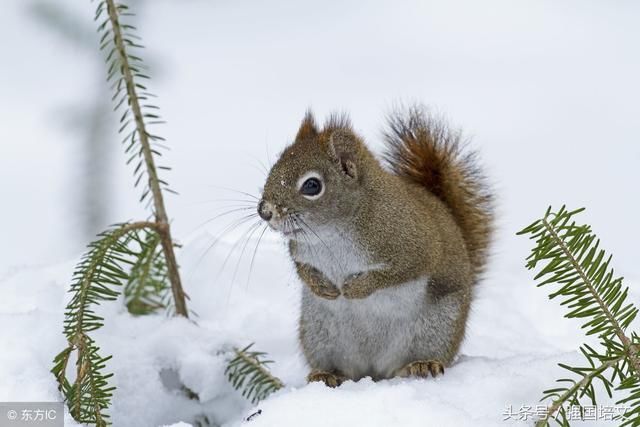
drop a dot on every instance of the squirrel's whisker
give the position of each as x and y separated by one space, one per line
244 235
216 239
253 257
261 170
220 215
202 202
264 169
307 237
269 160
236 191
255 228
329 251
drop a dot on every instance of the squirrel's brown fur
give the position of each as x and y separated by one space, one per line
425 151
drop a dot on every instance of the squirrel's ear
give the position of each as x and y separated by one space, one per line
342 149
308 127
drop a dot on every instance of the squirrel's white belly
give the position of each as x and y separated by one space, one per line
377 331
371 336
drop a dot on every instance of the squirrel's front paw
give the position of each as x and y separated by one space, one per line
324 289
317 283
356 286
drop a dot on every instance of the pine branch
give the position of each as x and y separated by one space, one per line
573 260
128 70
92 396
96 279
248 371
146 289
571 395
105 266
99 269
631 384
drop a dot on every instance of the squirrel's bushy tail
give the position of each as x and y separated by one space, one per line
423 149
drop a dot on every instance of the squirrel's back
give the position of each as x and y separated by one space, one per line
424 150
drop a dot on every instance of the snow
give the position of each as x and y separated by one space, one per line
513 343
530 82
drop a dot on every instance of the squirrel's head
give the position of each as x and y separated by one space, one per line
318 180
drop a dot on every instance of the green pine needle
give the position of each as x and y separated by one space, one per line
147 289
138 113
139 255
248 372
568 257
97 278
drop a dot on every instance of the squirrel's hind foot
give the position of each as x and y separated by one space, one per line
421 368
328 378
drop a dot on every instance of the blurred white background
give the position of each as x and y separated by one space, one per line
548 90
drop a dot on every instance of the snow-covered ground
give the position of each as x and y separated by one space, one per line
535 83
514 340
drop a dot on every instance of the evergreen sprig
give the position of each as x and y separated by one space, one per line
132 99
568 256
146 289
248 372
97 278
126 71
138 255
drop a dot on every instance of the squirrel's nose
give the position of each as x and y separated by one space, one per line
264 211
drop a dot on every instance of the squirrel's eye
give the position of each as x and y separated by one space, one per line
311 187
